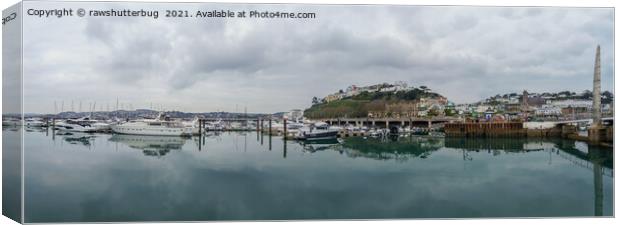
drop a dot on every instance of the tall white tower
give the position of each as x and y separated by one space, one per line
596 92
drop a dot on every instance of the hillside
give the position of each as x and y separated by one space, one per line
360 104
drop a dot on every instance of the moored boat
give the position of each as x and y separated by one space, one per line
161 126
33 122
317 131
84 124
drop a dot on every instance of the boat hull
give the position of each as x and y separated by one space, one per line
152 131
326 135
75 128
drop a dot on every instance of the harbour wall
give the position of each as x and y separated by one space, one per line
471 129
601 136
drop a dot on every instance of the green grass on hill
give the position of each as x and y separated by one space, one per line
361 104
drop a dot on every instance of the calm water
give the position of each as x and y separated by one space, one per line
243 176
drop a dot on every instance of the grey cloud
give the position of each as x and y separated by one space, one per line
465 53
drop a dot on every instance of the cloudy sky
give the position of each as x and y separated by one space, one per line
271 65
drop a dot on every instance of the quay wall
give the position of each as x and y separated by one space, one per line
601 136
507 129
509 144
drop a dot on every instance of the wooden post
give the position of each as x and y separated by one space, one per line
284 129
269 129
199 128
410 123
284 151
53 128
199 137
257 128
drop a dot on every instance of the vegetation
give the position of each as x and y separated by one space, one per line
359 105
399 148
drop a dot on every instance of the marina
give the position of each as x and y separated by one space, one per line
357 112
163 125
251 175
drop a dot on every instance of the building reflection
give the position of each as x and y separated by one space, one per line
392 148
599 161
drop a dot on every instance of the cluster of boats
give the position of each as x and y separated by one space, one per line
324 131
163 125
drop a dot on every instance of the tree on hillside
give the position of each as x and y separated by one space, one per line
433 112
587 94
449 112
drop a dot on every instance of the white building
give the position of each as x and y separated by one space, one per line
482 108
548 110
573 103
388 89
295 114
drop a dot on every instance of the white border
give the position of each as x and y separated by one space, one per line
574 3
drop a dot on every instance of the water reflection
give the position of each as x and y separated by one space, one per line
150 145
79 138
320 145
34 129
398 148
10 128
11 172
201 140
232 176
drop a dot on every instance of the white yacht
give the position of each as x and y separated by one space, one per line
161 126
274 125
236 126
294 125
290 125
33 122
84 124
317 131
214 126
193 125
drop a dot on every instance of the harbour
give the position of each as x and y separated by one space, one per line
251 175
375 110
307 112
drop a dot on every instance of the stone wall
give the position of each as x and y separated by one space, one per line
506 129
